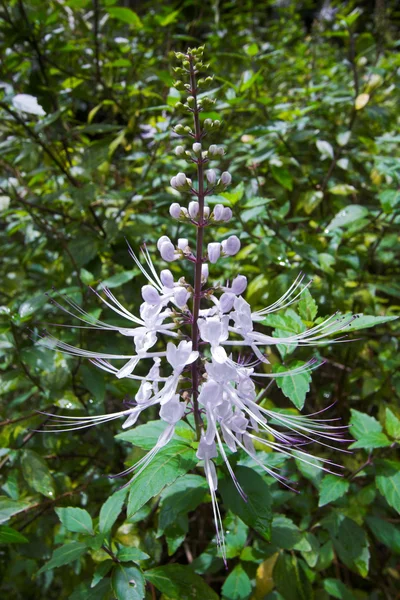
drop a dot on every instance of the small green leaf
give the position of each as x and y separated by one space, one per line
337 589
362 424
9 507
369 441
118 279
37 474
101 571
325 149
8 535
237 585
392 424
171 462
365 321
131 554
126 15
385 532
256 512
64 555
347 216
183 496
282 176
74 519
295 387
178 581
307 306
128 583
111 509
388 482
332 487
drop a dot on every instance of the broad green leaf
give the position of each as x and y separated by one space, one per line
337 589
325 149
369 441
32 306
178 581
295 387
307 306
171 462
126 15
128 583
347 216
310 200
365 321
392 424
64 555
385 532
37 474
362 424
146 436
118 279
343 138
351 544
77 520
101 571
284 533
237 585
389 199
282 176
8 535
111 509
256 512
183 496
388 482
332 487
131 554
9 507
98 592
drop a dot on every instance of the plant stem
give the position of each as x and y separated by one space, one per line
199 253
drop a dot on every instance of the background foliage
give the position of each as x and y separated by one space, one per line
309 96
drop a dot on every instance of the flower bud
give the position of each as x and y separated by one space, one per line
213 150
190 100
163 238
204 272
217 124
206 212
218 212
180 55
167 251
227 214
231 246
181 296
183 243
175 210
181 179
179 129
220 149
196 148
226 178
179 150
193 209
239 284
226 302
167 278
150 295
179 106
186 129
211 176
207 124
172 182
214 252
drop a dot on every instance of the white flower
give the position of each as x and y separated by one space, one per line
175 210
231 246
28 104
226 178
214 252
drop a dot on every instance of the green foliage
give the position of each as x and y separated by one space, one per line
309 111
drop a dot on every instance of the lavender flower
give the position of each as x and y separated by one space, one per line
224 391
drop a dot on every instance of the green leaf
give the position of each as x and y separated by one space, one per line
392 424
389 199
307 306
347 216
64 555
118 279
128 583
9 507
351 544
126 15
146 436
282 176
332 487
325 149
369 441
31 306
77 520
171 462
337 589
256 512
178 581
385 532
237 585
8 535
131 554
362 424
101 571
388 482
285 534
37 474
365 321
183 496
295 387
111 509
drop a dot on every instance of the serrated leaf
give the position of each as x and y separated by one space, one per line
37 474
146 436
64 555
76 519
8 535
392 424
307 306
332 487
111 509
362 424
366 321
178 581
237 585
171 462
388 482
9 507
128 583
295 387
256 512
369 441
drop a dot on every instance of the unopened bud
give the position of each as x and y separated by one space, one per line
179 129
180 55
193 209
231 246
218 212
226 302
150 295
211 176
227 214
181 180
167 278
207 124
179 106
217 124
190 100
183 243
187 129
204 272
181 296
179 150
206 212
213 150
167 251
239 284
175 210
214 252
226 178
163 238
196 148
